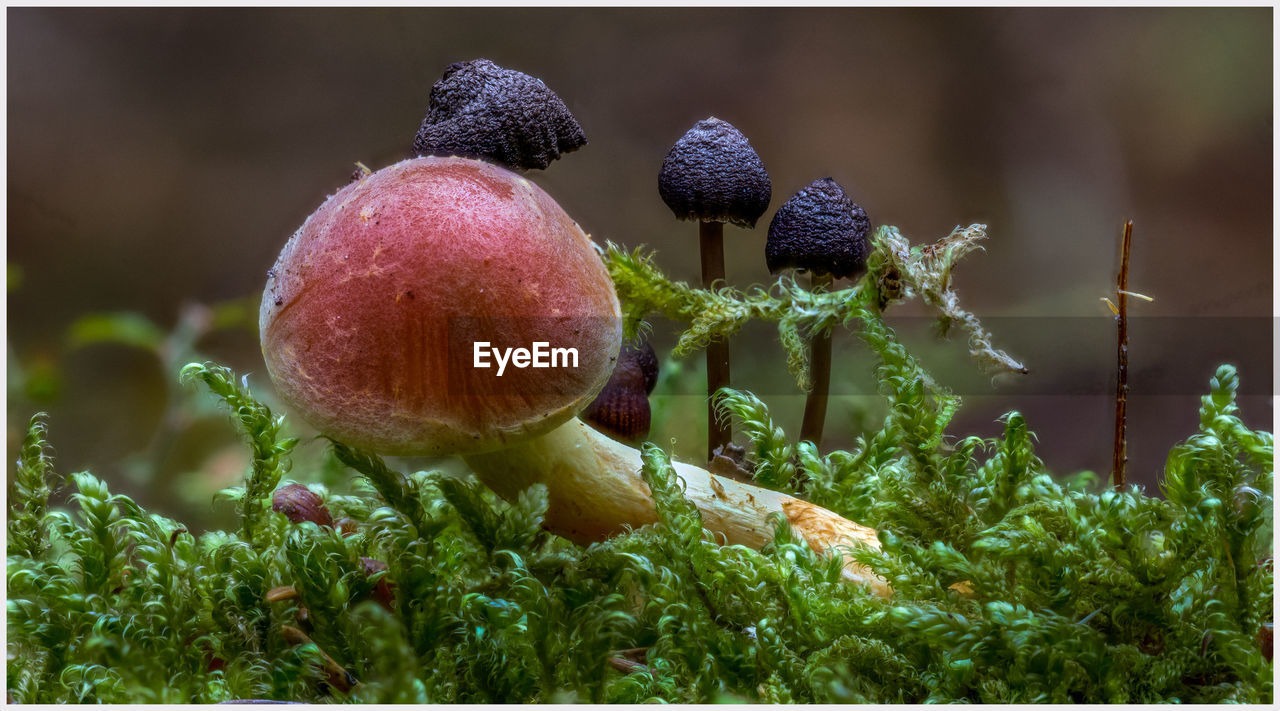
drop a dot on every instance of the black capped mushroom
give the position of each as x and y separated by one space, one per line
822 231
714 176
481 110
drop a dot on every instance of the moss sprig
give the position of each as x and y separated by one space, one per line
902 271
270 451
32 485
402 494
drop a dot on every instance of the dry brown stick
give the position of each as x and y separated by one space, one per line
283 592
632 652
626 666
1120 452
338 677
622 660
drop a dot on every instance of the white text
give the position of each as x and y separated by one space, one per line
541 355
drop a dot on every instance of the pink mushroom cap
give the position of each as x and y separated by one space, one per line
371 315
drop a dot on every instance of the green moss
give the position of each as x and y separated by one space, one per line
1010 585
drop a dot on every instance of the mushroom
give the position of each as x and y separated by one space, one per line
621 410
371 323
396 316
299 503
714 176
481 110
822 231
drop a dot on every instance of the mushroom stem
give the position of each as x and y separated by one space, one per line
596 491
719 433
815 405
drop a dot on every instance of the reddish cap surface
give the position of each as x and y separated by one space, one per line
371 314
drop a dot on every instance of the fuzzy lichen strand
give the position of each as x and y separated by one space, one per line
708 315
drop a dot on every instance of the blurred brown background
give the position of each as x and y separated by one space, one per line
162 157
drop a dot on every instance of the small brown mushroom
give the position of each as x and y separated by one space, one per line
384 590
298 504
348 526
621 410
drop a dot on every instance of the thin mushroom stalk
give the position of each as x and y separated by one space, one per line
596 491
711 245
815 403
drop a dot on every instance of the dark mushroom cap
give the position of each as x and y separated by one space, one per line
480 110
299 503
819 229
713 174
621 410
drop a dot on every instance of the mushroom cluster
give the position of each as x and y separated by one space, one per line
375 309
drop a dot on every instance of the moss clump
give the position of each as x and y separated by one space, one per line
1010 585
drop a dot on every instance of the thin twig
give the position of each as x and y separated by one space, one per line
626 666
1121 456
337 677
626 660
